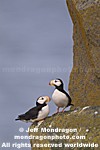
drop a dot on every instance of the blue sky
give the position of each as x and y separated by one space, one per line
35 46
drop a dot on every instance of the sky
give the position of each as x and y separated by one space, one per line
35 46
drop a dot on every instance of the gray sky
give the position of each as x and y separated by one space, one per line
35 47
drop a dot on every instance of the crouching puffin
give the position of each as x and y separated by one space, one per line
37 113
60 97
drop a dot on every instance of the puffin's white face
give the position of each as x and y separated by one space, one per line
55 82
43 99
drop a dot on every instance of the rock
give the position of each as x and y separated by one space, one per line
84 83
84 120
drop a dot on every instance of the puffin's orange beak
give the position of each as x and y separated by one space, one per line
51 83
48 99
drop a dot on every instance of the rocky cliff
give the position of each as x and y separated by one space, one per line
86 120
84 83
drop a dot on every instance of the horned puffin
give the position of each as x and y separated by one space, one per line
37 113
60 97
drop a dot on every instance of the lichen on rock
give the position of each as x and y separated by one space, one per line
85 121
84 83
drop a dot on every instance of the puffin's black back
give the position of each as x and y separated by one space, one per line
32 113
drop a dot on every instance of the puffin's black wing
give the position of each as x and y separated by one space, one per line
69 98
31 114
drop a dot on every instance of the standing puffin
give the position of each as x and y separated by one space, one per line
60 97
37 113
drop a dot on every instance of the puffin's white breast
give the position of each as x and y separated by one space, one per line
44 112
59 98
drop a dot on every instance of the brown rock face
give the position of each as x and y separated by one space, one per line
84 83
85 120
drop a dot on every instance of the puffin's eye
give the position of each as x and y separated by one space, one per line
55 80
42 98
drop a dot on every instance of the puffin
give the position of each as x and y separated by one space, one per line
37 113
60 97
